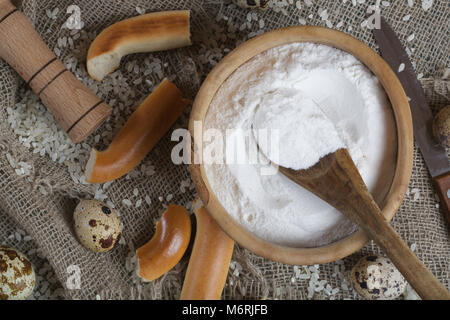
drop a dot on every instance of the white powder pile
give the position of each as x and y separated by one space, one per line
305 132
335 99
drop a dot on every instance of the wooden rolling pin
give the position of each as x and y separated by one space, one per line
78 110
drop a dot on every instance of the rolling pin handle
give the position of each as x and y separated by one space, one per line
75 107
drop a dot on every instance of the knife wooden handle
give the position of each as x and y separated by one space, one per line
442 184
75 107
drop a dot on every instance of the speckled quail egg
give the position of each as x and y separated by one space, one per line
17 277
252 4
97 226
441 127
376 278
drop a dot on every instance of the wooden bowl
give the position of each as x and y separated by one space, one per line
246 51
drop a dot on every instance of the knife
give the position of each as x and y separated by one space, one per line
434 155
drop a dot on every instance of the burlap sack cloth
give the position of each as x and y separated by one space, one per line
48 218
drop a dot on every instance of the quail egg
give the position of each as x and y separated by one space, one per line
17 277
97 226
441 127
376 278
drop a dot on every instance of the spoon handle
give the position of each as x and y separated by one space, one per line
366 213
336 180
414 271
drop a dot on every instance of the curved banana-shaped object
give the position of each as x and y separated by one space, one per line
146 126
155 31
210 259
167 246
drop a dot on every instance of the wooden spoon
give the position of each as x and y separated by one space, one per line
336 180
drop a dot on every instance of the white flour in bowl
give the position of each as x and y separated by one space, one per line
343 104
305 132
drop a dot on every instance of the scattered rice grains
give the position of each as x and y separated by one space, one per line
37 130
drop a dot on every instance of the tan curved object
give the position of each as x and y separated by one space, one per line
402 114
146 126
167 246
155 31
209 262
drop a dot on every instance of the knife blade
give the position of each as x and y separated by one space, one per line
435 156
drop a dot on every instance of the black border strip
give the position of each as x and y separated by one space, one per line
41 69
84 115
54 78
8 14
